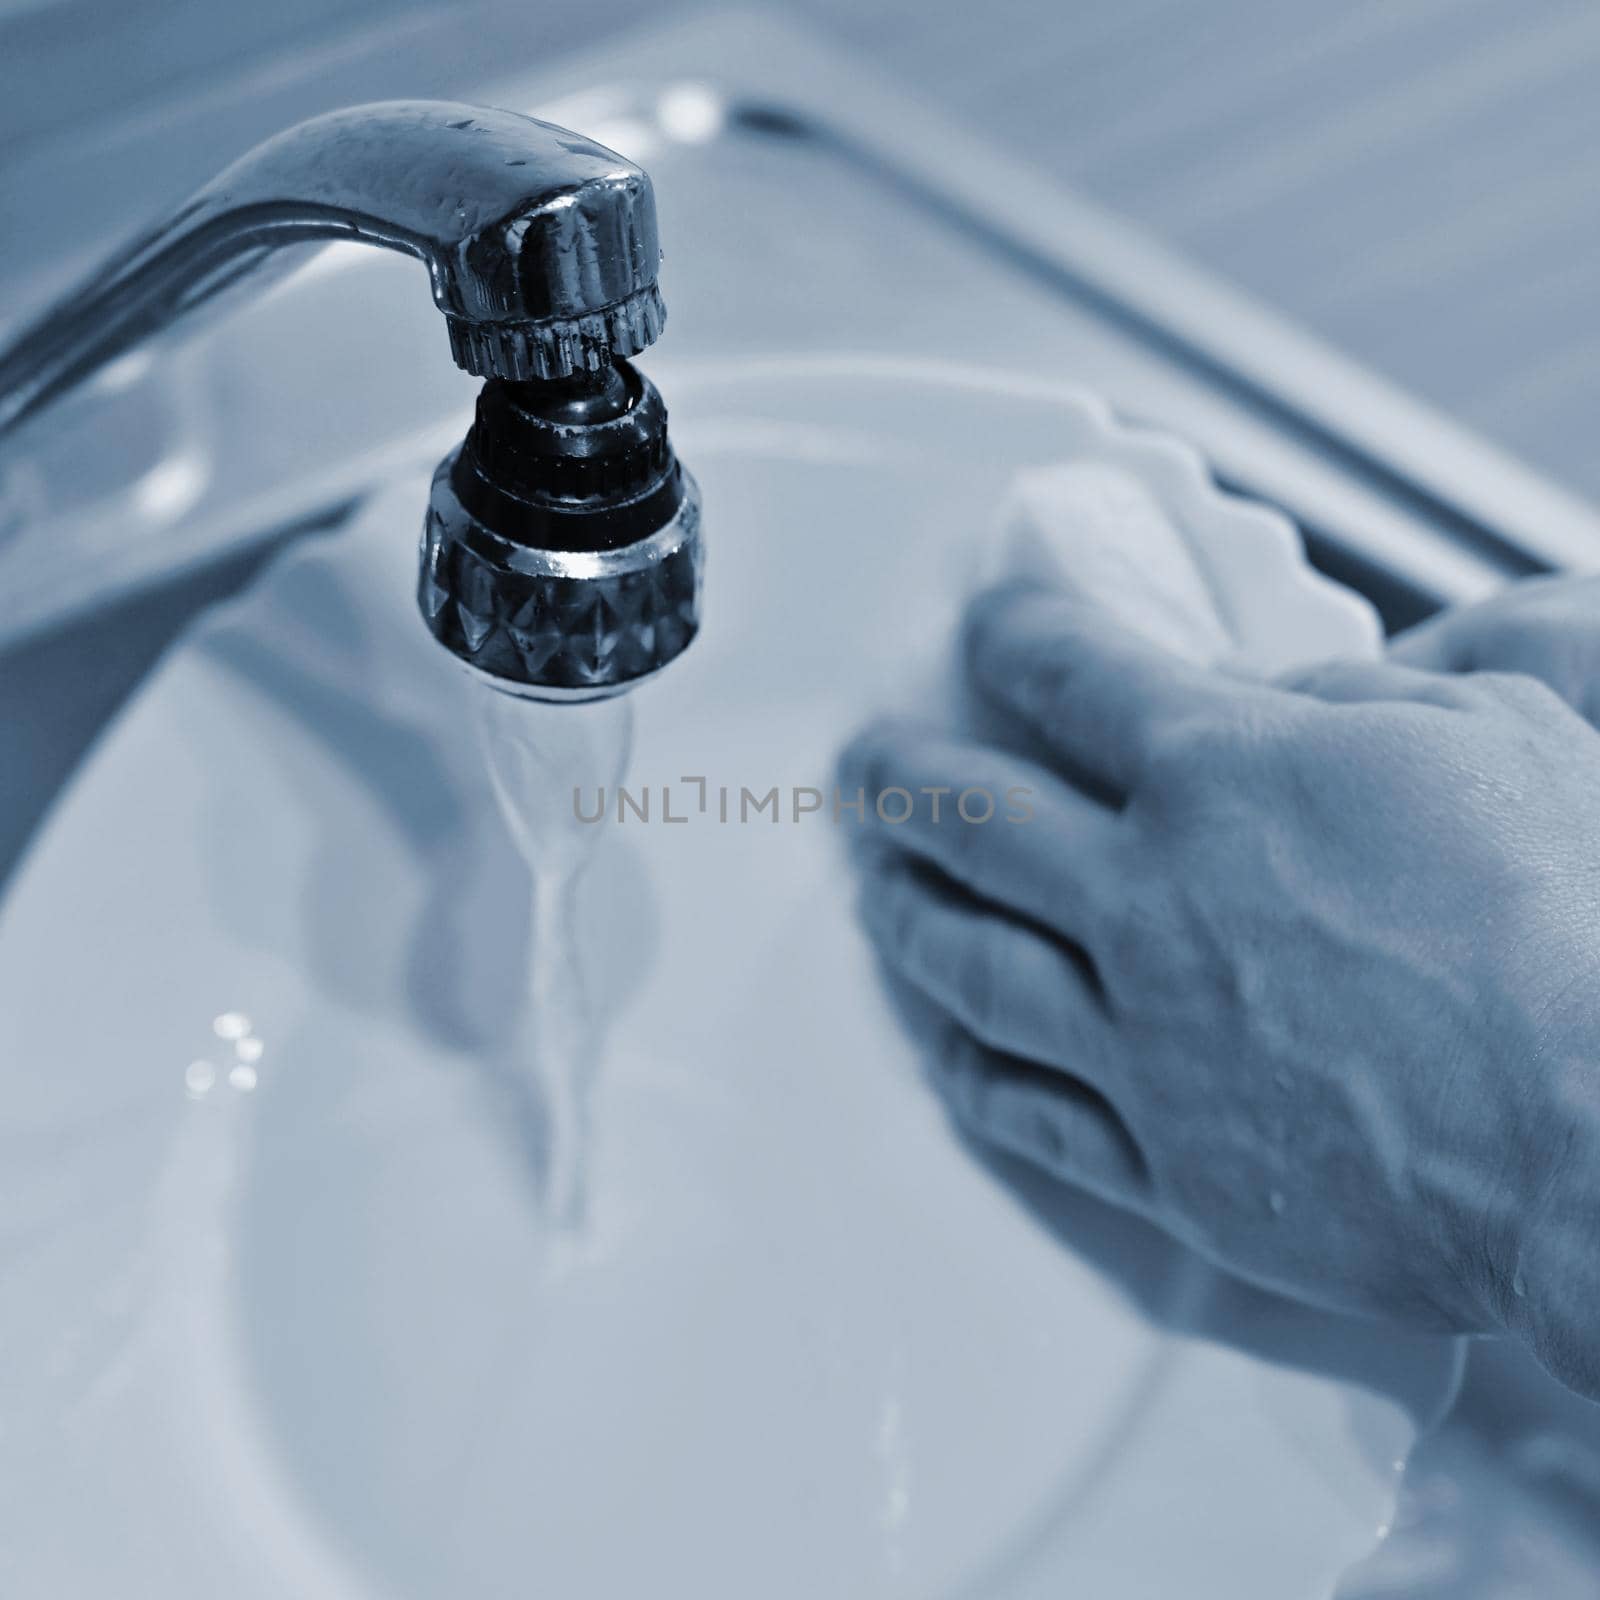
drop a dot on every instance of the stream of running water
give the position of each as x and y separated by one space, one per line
540 756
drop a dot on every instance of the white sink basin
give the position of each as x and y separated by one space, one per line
278 1312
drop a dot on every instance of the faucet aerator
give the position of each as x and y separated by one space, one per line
561 556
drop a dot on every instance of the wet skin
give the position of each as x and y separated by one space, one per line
1306 971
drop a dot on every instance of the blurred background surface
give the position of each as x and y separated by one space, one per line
1414 179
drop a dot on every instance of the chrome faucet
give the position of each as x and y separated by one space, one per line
561 553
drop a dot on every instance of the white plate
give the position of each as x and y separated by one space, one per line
304 1337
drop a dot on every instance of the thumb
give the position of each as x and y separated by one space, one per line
1544 629
1451 641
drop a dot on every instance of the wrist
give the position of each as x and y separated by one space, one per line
1546 1288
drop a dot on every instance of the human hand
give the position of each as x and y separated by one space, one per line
1548 628
1305 972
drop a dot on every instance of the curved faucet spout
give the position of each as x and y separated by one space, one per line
541 245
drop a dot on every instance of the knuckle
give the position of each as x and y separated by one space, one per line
901 915
964 1075
862 760
976 983
893 916
955 1055
882 764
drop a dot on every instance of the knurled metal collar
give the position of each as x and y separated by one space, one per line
558 347
560 624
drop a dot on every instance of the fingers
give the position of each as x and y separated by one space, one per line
1044 1118
1544 628
1501 633
1098 694
1012 988
1001 826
